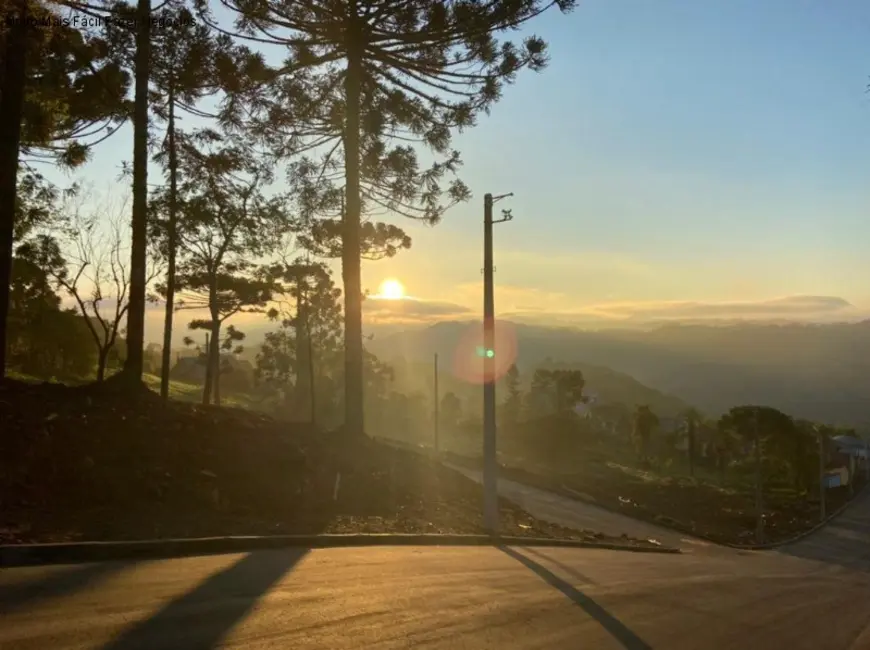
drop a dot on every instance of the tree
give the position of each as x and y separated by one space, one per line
189 63
75 92
11 108
692 417
139 217
362 73
451 411
763 425
644 423
539 398
805 452
791 444
44 340
37 210
569 386
766 429
183 73
514 402
298 357
556 390
726 440
96 277
226 223
377 240
61 94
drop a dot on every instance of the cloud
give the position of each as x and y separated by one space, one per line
807 308
510 297
410 310
794 306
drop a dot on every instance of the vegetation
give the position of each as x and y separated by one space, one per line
337 120
709 477
365 90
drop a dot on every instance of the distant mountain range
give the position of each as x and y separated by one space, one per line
819 372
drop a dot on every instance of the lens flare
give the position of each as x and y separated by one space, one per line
470 352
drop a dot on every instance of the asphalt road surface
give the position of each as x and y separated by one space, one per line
814 594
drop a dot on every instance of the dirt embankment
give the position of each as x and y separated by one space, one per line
101 463
722 514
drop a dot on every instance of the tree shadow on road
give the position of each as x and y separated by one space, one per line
203 617
56 582
628 639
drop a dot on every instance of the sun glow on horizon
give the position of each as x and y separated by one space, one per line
391 290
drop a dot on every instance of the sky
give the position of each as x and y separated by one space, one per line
676 159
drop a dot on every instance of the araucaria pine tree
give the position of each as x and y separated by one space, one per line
364 81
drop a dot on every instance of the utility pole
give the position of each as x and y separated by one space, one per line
822 514
436 402
759 504
852 473
490 466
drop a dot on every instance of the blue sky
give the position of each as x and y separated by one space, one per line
674 150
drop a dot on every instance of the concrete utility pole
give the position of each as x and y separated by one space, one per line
852 473
490 466
436 403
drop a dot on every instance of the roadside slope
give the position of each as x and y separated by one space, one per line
569 512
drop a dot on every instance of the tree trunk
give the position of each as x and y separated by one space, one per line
172 245
206 389
351 269
216 360
311 386
303 388
692 448
11 102
102 360
138 244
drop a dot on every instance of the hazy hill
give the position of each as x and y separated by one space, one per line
609 387
820 372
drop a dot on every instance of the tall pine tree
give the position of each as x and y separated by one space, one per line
363 81
62 93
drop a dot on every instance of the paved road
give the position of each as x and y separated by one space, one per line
844 542
442 598
814 594
577 514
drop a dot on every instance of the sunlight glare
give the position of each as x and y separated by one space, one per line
391 290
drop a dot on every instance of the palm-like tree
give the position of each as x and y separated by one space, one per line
644 423
692 417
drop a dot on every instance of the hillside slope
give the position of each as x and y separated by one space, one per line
412 352
819 372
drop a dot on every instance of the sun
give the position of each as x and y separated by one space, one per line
391 290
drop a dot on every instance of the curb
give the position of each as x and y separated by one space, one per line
16 555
